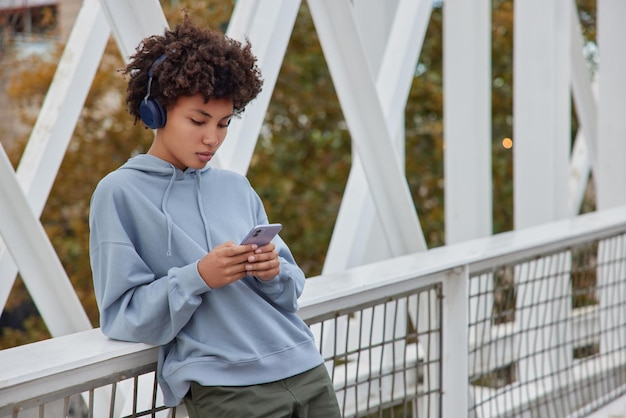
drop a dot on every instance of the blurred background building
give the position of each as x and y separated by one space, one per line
32 27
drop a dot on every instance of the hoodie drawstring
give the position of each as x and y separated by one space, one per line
209 243
168 218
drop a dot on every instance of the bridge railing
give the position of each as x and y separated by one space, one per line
522 324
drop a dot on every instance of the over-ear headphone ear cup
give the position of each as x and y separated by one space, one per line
152 114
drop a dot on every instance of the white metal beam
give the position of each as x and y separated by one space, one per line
40 268
611 169
583 89
57 119
132 20
579 170
541 104
336 28
584 92
467 119
399 61
352 242
268 26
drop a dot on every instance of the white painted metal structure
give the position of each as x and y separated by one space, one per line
542 110
467 119
611 123
377 217
18 4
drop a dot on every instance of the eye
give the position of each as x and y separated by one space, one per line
197 122
225 125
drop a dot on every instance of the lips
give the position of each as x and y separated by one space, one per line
205 156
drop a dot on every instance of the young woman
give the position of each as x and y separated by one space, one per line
165 249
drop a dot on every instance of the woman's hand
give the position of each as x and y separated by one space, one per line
264 263
226 263
230 262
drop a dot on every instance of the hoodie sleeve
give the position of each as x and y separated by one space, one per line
136 305
285 289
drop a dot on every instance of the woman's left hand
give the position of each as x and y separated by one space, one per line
263 263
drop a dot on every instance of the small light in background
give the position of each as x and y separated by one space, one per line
507 143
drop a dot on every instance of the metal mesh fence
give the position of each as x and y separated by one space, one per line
546 334
135 396
384 357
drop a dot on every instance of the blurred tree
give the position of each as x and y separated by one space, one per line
502 114
424 133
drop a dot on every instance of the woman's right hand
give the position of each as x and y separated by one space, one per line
225 264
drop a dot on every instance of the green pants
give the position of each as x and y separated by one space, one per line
307 395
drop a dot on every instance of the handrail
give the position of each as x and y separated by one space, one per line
325 293
53 368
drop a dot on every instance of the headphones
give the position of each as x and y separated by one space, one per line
150 111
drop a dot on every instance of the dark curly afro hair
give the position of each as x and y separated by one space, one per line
198 60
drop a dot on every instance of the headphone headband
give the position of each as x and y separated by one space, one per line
150 111
155 63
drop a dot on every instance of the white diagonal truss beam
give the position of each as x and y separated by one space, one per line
132 21
353 241
268 26
38 263
50 136
338 34
584 93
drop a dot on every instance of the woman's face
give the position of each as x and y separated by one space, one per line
193 132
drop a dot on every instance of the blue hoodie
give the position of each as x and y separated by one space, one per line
150 225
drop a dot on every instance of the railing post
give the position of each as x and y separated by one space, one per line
455 347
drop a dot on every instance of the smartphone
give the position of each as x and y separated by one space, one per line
262 234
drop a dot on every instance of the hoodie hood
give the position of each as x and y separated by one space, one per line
150 164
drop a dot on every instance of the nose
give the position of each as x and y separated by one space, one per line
210 137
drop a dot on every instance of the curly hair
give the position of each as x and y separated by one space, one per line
197 60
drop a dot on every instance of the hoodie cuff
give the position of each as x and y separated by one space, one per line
276 284
190 281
